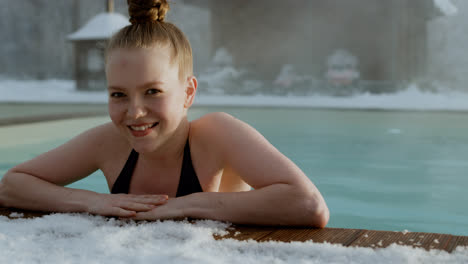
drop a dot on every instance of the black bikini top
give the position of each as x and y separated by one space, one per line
188 182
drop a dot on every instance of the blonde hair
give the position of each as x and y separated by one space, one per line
148 29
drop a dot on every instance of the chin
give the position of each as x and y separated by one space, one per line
140 148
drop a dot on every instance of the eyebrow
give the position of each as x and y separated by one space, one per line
139 87
150 84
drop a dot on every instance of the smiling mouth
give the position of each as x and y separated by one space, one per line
142 127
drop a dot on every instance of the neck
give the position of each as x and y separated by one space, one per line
173 149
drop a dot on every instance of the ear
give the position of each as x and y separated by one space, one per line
191 85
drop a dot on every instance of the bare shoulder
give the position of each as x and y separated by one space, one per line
112 145
227 138
101 141
211 118
245 152
108 138
210 138
223 129
205 132
75 159
217 124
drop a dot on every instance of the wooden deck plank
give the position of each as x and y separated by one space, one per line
346 237
49 117
457 241
330 235
26 214
247 232
382 239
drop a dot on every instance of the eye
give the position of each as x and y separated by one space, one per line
152 91
117 94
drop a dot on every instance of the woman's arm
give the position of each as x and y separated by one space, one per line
277 204
21 190
282 194
38 184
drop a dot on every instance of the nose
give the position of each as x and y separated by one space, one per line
136 109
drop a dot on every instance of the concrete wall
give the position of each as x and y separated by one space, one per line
387 36
32 38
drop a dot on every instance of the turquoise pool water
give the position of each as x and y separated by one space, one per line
384 170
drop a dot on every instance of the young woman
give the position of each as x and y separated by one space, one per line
158 165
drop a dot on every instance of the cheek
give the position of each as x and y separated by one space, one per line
116 112
171 104
163 110
177 105
179 100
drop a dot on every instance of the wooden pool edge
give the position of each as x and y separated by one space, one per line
45 118
342 236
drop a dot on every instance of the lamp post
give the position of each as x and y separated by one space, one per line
110 6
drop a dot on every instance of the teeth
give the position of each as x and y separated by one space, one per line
141 128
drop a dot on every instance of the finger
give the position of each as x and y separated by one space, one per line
117 211
149 199
152 201
147 195
152 215
144 216
136 206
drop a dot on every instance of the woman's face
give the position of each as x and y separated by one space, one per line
147 100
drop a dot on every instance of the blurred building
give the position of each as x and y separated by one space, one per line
90 43
388 37
34 34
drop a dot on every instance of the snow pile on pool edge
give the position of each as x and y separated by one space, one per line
82 238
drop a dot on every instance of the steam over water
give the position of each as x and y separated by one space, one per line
284 67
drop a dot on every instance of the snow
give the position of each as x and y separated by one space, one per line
411 99
102 26
446 7
82 238
56 91
53 91
15 215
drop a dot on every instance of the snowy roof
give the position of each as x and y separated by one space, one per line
342 57
446 7
102 26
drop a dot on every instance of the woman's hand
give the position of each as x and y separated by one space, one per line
124 205
170 210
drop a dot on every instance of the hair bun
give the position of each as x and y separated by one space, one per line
147 11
